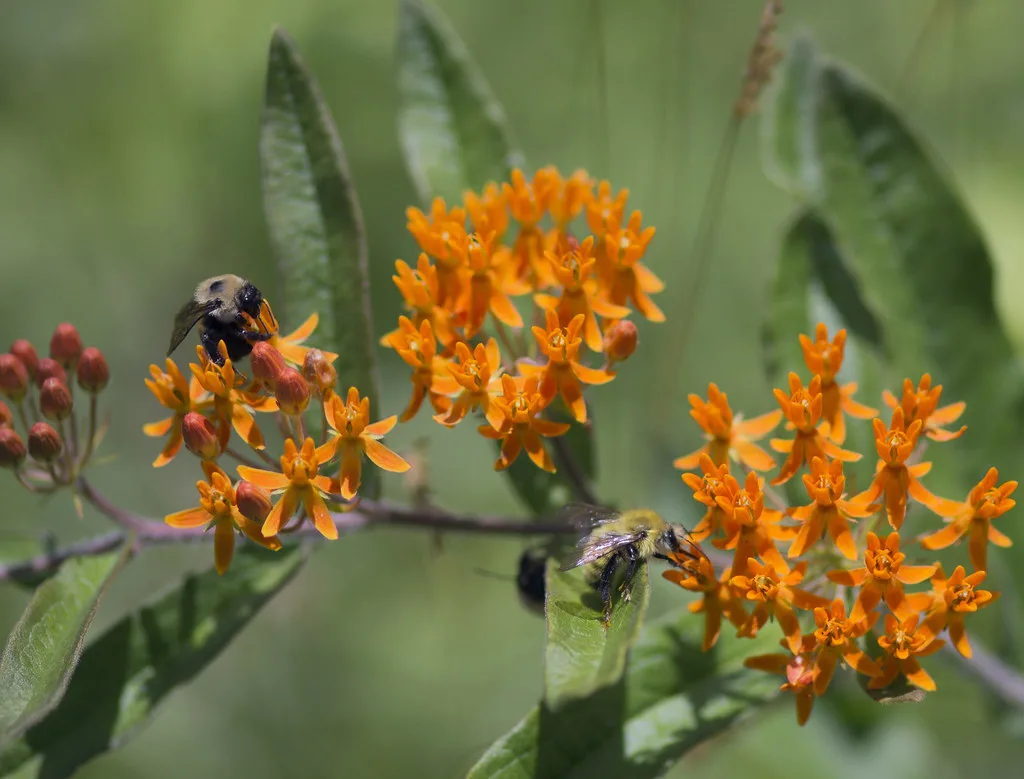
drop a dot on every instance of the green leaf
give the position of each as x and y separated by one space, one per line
43 649
452 129
315 222
127 672
672 698
582 657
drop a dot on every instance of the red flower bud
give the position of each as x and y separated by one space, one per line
254 502
6 418
93 373
292 392
620 340
44 443
66 344
200 436
12 448
26 352
318 371
13 377
267 363
49 368
55 399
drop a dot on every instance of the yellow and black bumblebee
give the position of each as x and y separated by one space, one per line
630 538
225 308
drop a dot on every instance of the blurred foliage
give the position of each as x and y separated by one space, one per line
129 168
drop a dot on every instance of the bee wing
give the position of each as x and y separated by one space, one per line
590 550
586 516
187 318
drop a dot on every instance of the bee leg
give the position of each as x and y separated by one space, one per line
605 585
627 581
210 339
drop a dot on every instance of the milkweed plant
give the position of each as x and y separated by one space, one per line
821 536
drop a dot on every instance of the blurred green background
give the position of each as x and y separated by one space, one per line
129 170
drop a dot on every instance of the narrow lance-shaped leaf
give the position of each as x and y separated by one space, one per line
452 129
43 649
582 656
127 672
672 698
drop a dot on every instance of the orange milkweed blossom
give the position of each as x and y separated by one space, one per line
728 435
290 346
528 202
350 419
719 598
705 490
904 641
950 600
488 210
573 270
474 372
922 403
803 408
749 527
829 510
430 377
435 235
217 510
302 485
882 577
568 197
985 503
894 478
824 358
563 373
489 284
180 396
836 636
799 671
230 405
774 596
629 280
522 428
420 290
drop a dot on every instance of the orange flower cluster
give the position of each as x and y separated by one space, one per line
513 243
265 502
765 580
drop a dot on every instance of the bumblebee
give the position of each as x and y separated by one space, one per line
224 308
625 537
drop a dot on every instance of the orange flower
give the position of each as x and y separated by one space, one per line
604 211
568 196
217 510
894 477
350 419
488 211
799 671
436 235
474 372
230 406
803 408
903 643
489 283
706 490
950 600
629 279
301 484
728 436
290 345
922 404
829 509
985 502
749 526
836 638
572 269
528 202
520 403
824 359
774 596
430 377
719 598
564 373
420 290
882 577
179 396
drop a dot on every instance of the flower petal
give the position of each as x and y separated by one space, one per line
268 480
189 518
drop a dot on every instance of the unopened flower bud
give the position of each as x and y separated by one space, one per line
292 392
620 340
26 352
267 363
318 371
49 368
55 399
13 377
200 436
253 501
93 373
66 344
44 443
12 448
6 418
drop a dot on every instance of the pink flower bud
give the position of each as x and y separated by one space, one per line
292 392
49 368
13 377
44 443
26 352
6 418
254 502
66 344
318 371
620 340
55 399
200 436
267 363
12 448
93 373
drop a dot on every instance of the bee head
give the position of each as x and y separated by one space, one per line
250 300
